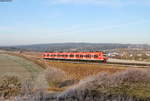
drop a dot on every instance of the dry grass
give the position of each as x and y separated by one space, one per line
11 64
16 64
56 89
34 57
10 85
80 71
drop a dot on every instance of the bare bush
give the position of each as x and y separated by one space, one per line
54 76
131 76
96 88
41 82
27 87
10 85
105 84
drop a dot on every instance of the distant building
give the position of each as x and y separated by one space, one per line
113 54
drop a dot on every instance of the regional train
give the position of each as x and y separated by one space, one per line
85 56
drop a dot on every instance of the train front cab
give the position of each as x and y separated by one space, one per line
105 57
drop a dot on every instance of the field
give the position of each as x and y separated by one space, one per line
73 70
64 78
17 65
80 71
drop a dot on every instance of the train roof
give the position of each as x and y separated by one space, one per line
75 52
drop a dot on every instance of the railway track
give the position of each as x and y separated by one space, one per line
133 64
110 62
128 62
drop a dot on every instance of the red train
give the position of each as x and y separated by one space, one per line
91 56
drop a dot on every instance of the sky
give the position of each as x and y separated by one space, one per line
24 22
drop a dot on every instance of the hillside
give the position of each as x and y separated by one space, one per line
17 65
74 46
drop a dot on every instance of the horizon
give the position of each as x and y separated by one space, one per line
69 43
31 22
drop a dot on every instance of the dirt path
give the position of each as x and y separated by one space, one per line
20 66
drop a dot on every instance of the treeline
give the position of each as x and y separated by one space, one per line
75 46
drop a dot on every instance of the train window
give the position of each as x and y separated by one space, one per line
66 55
95 56
81 55
88 55
71 55
77 55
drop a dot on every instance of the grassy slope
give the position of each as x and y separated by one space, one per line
18 65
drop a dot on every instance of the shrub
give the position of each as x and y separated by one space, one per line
131 76
54 76
26 87
41 82
127 83
10 85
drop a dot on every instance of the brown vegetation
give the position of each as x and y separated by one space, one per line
80 71
54 76
36 58
10 85
129 85
97 82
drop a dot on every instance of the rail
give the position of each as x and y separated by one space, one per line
109 62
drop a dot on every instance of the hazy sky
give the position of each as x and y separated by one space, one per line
56 21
